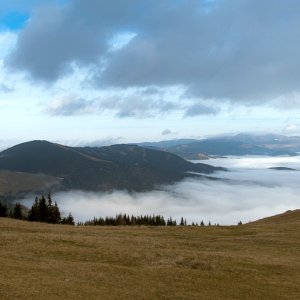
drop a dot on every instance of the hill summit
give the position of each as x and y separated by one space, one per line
123 166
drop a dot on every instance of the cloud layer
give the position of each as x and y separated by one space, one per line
244 51
256 192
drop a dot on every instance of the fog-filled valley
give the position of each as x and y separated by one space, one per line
250 191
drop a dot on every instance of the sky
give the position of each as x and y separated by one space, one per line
103 71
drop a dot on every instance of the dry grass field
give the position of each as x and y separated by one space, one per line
259 260
17 182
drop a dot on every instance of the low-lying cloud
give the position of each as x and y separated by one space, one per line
254 193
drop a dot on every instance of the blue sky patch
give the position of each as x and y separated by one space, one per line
13 20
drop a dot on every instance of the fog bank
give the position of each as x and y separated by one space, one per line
256 192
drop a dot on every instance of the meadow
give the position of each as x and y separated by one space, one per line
258 260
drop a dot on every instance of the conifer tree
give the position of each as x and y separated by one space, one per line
69 220
43 210
17 212
3 210
181 222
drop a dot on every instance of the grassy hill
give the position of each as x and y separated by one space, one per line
20 183
259 260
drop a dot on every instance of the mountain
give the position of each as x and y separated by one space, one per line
241 144
128 167
167 144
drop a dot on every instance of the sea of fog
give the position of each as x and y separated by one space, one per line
254 191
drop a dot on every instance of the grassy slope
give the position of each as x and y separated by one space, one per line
14 183
259 260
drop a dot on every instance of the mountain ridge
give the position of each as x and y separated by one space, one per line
239 145
121 166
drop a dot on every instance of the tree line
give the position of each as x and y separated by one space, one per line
124 219
45 210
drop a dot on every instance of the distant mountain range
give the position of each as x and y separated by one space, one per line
129 167
240 144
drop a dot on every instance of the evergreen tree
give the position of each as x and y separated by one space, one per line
17 212
43 210
3 210
69 220
33 212
54 214
181 222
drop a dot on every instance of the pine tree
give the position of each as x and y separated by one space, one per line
69 220
181 222
3 210
43 210
33 213
17 212
54 214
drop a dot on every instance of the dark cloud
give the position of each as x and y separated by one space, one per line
27 6
240 50
200 110
166 132
57 36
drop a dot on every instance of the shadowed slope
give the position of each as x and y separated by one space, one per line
105 168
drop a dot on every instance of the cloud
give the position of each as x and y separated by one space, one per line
7 42
108 141
256 192
69 105
166 132
200 110
57 36
123 105
5 88
248 57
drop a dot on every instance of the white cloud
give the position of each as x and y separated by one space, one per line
291 129
7 43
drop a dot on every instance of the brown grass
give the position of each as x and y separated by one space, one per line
260 260
17 182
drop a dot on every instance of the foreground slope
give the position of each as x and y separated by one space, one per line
258 260
105 168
